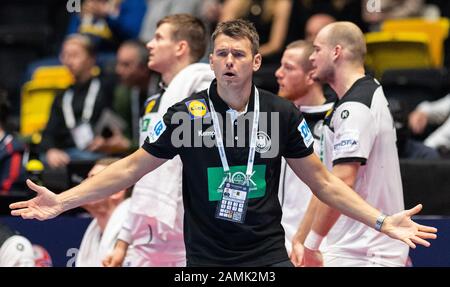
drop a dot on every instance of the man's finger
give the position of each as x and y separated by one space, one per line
29 215
420 241
107 261
426 235
20 204
410 243
416 209
18 212
34 186
425 228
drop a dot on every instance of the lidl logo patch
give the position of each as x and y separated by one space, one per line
197 108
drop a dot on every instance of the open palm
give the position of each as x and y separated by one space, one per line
401 226
44 206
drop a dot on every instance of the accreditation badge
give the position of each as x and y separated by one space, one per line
82 135
233 205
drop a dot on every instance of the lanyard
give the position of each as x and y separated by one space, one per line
219 139
88 107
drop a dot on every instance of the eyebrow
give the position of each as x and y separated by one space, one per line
231 50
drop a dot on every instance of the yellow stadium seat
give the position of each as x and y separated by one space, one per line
397 50
38 94
437 31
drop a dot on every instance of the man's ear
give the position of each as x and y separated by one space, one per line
309 78
257 61
337 52
182 48
211 61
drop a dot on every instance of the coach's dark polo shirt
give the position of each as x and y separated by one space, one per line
214 242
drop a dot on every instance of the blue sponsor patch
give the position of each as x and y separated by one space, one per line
306 133
156 131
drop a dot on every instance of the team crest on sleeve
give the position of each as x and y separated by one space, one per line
197 108
156 131
306 133
345 114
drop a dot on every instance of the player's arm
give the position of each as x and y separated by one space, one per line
335 193
326 216
297 255
118 176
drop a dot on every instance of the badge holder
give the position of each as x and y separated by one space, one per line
82 135
233 205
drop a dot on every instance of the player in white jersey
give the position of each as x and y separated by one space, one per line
154 226
15 250
101 235
296 84
359 146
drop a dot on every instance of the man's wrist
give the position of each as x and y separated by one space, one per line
313 241
380 221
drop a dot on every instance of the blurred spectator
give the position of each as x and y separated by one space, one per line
101 235
157 9
315 23
271 20
137 83
69 131
341 10
15 250
436 112
375 12
11 151
408 147
108 22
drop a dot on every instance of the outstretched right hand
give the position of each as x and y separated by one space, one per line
44 206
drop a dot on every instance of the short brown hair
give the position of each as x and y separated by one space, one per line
190 29
85 41
308 49
238 29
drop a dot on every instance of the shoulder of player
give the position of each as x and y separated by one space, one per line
182 106
362 92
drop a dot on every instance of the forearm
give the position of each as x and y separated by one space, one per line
325 218
118 176
340 196
306 223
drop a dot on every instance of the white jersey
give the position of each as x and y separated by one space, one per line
158 195
361 129
16 251
96 245
294 194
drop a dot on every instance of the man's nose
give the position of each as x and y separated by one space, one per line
150 44
278 73
229 60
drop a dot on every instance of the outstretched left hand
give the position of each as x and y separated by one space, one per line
400 226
